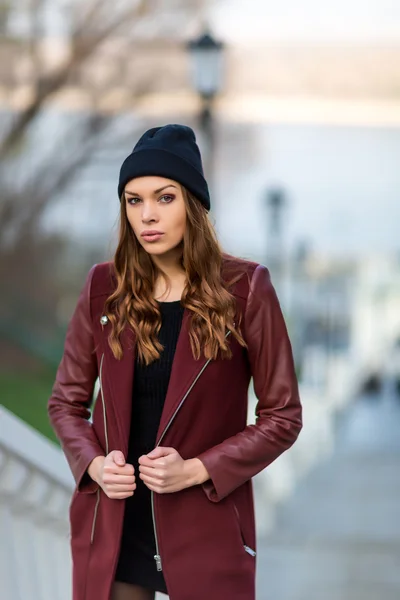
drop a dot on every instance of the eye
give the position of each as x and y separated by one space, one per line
166 199
133 200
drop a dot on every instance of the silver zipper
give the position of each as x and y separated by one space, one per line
106 438
157 556
245 546
95 515
103 403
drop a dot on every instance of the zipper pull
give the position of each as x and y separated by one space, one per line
250 550
157 558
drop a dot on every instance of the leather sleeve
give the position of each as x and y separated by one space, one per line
72 393
278 411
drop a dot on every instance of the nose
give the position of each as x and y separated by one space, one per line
149 212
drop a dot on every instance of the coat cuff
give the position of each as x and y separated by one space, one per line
213 487
84 483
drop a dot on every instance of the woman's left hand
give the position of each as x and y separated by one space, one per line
164 471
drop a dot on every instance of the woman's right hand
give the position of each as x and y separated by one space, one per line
114 476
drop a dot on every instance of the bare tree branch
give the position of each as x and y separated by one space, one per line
82 48
39 161
55 172
46 184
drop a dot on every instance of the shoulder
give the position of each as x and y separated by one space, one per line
245 273
103 281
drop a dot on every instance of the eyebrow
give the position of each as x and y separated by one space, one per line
155 191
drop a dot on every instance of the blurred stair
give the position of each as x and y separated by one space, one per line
338 536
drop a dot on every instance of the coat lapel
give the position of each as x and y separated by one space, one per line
119 374
184 371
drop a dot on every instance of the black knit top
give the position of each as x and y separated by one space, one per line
151 382
136 563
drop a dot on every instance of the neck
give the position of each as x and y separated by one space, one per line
169 263
170 285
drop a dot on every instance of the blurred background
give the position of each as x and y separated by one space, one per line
296 108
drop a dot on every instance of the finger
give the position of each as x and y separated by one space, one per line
156 481
154 488
161 451
120 495
158 489
113 475
117 457
163 461
115 478
113 468
127 469
115 488
167 450
151 471
151 484
145 460
156 453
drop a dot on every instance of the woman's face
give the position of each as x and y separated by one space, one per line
156 211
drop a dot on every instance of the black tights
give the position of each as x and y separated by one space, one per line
127 591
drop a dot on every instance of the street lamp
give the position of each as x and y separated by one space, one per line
207 64
276 203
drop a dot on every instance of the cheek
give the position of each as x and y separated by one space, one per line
133 220
180 222
182 225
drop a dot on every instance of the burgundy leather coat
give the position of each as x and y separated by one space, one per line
205 534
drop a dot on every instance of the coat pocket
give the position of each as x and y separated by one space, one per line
237 518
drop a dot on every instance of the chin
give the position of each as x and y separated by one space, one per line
161 249
155 250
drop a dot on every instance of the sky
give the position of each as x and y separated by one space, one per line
243 21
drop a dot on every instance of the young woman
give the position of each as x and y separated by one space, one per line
174 330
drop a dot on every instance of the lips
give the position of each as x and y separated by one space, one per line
151 236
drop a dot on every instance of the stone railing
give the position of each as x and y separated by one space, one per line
35 491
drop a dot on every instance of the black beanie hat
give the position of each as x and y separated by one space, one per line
170 151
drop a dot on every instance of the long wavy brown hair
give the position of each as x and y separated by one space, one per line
206 294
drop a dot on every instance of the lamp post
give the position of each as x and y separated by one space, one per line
276 203
300 303
206 65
